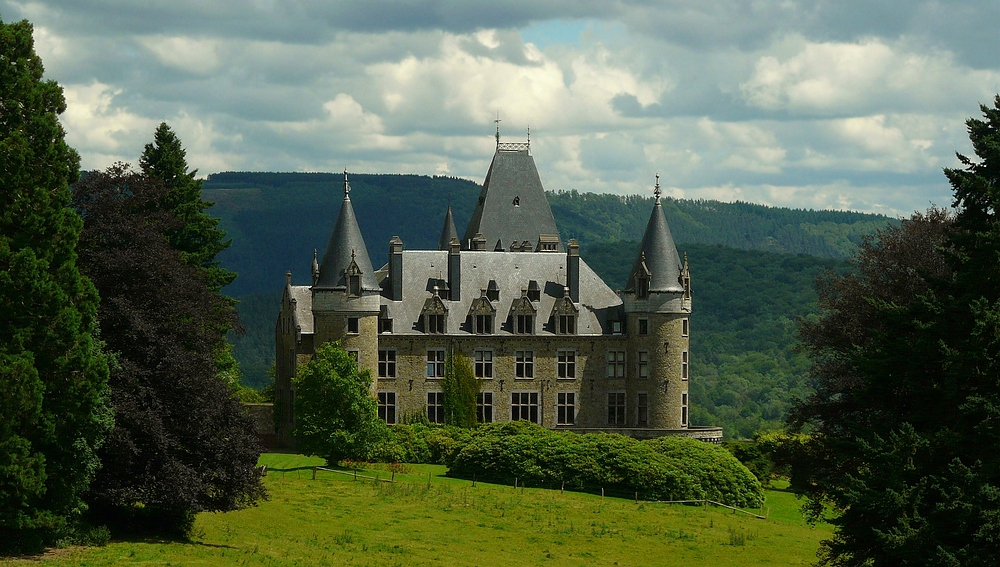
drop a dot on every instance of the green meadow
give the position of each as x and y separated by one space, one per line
425 518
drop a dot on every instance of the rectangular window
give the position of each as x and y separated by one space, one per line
435 363
354 354
386 363
524 406
643 326
616 364
616 327
643 365
566 364
484 324
684 365
565 408
484 407
685 326
524 364
484 364
352 325
642 409
435 407
434 324
684 409
385 325
387 407
523 324
567 324
616 408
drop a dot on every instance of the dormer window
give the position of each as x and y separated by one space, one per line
482 314
641 276
564 315
524 324
353 274
522 315
434 315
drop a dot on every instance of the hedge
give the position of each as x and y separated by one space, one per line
668 468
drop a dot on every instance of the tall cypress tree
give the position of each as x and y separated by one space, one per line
53 379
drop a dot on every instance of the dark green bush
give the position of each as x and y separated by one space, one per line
664 469
420 443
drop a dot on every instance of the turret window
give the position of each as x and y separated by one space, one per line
642 409
684 365
355 285
352 326
643 326
684 409
643 364
685 326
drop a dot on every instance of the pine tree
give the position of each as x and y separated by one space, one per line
53 378
198 238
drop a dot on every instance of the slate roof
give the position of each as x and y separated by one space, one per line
345 240
448 231
422 269
512 204
660 255
303 316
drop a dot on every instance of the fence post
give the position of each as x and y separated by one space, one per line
515 483
355 474
314 473
637 497
602 492
393 476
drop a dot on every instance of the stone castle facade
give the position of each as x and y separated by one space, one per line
549 340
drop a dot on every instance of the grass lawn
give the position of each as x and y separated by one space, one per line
425 519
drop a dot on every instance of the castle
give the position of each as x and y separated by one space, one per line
549 340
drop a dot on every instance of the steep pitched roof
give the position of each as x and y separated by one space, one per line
448 231
658 254
346 244
512 204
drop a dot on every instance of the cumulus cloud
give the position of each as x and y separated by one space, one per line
847 104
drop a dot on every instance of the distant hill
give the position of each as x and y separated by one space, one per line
277 219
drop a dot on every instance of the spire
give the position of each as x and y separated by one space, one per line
346 245
512 204
658 254
448 231
497 121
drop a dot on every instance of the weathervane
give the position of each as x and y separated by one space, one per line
656 190
347 186
497 121
529 136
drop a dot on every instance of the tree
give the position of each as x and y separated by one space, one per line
181 442
460 388
905 420
198 236
53 377
336 416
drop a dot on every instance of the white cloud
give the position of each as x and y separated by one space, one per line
97 127
185 54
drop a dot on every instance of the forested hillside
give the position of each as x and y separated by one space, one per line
753 267
277 219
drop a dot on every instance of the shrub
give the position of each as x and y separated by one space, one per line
663 469
421 443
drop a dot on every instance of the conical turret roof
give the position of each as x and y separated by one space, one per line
346 245
448 231
512 205
658 254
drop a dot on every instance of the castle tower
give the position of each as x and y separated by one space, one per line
345 293
657 302
512 207
448 231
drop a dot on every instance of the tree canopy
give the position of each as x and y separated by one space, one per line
336 416
181 442
460 388
905 420
53 377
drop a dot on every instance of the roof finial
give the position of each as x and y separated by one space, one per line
347 186
497 121
656 190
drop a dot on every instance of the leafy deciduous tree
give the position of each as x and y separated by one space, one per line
53 378
906 417
460 388
181 443
336 416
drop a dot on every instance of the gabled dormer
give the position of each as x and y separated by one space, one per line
482 314
434 315
564 315
522 315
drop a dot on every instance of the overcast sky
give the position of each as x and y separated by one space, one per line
827 104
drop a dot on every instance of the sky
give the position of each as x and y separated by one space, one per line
841 104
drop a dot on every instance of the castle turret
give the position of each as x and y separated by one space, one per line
345 295
657 302
448 231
